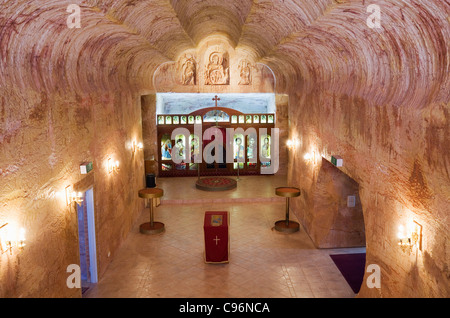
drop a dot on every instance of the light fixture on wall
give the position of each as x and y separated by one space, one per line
410 236
307 156
77 197
113 165
137 146
310 157
10 240
72 196
292 144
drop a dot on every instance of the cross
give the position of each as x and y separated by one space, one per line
216 239
216 99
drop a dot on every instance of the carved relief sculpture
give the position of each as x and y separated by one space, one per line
245 72
188 71
217 72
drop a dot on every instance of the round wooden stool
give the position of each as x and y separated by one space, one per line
151 227
287 226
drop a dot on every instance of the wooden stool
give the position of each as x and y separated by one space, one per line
151 227
287 226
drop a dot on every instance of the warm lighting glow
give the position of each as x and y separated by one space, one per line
307 156
77 197
409 236
401 232
137 146
11 238
290 144
72 196
113 166
21 239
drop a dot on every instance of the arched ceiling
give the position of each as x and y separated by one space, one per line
310 44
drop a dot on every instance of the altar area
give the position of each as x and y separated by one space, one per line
187 135
249 189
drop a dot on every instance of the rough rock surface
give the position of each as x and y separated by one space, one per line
378 97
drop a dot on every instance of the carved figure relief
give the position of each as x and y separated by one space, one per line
217 72
188 71
245 72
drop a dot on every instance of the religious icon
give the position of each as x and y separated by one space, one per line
195 149
191 120
166 147
198 119
265 146
168 120
252 151
245 72
241 119
238 146
234 119
255 119
248 119
270 119
176 120
263 119
265 164
251 147
183 120
179 146
216 116
216 220
217 70
160 120
188 72
180 166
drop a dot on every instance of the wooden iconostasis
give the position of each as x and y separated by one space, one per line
250 145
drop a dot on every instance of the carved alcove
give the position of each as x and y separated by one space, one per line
335 223
214 66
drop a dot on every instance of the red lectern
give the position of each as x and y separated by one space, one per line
217 244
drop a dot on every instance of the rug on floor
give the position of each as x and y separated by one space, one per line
352 267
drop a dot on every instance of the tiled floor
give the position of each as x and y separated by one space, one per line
249 188
263 262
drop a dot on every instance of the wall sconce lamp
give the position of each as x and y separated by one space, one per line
307 156
137 146
17 241
77 197
72 196
113 166
292 144
310 157
410 236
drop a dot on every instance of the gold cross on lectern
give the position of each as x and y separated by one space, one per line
216 99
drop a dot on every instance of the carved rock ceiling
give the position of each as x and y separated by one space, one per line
122 42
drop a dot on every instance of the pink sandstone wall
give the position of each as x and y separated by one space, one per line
400 159
44 139
377 97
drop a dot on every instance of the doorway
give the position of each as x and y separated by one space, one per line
86 241
338 219
216 168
